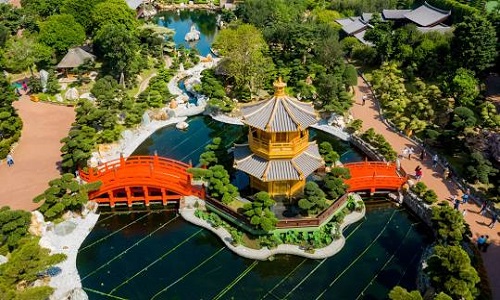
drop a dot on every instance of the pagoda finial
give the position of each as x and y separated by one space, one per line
279 87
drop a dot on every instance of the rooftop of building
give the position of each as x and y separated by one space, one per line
281 113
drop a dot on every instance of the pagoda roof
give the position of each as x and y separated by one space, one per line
427 15
441 28
296 168
281 113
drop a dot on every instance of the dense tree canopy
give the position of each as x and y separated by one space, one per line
22 53
113 12
61 32
474 43
14 226
244 51
259 212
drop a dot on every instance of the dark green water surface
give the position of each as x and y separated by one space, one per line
157 255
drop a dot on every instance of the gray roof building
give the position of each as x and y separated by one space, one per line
353 25
297 168
394 14
281 113
427 15
74 58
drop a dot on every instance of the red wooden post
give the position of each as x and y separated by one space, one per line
163 197
122 160
146 195
111 199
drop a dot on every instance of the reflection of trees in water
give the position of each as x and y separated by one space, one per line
205 20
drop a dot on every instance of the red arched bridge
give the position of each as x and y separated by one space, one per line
141 179
157 179
375 175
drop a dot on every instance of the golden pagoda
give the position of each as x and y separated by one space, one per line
278 157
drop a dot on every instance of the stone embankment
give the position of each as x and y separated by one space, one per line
264 254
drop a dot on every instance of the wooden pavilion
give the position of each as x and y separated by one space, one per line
73 59
278 157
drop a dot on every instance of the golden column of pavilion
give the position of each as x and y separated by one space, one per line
278 157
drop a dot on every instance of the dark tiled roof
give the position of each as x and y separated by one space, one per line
281 169
427 15
279 114
361 37
395 14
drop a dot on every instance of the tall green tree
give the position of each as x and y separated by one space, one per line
118 47
244 51
81 10
77 148
63 194
22 53
113 12
474 44
61 32
464 87
450 271
42 8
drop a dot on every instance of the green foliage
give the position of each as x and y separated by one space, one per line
200 173
42 8
450 271
23 266
348 45
430 197
214 90
479 168
10 122
81 10
53 87
334 182
118 47
419 189
14 226
474 43
463 118
329 155
489 116
442 296
464 87
22 53
448 223
399 293
378 142
244 50
219 185
314 199
350 76
115 13
259 212
77 148
64 193
61 32
212 152
354 126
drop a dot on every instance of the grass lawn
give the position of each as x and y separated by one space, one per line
491 5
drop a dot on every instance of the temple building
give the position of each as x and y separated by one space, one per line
278 157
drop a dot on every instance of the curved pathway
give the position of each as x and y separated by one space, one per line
369 113
37 156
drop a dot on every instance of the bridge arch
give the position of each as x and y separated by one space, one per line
375 176
143 179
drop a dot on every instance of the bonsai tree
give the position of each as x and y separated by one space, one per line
448 223
14 226
220 186
259 212
334 182
64 194
329 155
314 199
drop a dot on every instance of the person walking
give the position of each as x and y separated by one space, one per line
435 160
465 198
480 242
418 173
484 207
456 203
410 153
493 220
10 160
423 154
486 244
363 99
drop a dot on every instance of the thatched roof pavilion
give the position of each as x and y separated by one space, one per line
75 58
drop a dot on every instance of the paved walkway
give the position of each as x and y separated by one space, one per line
37 156
444 188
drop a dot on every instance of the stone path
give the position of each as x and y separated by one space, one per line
444 188
144 84
37 156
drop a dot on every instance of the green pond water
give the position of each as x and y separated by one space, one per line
154 254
